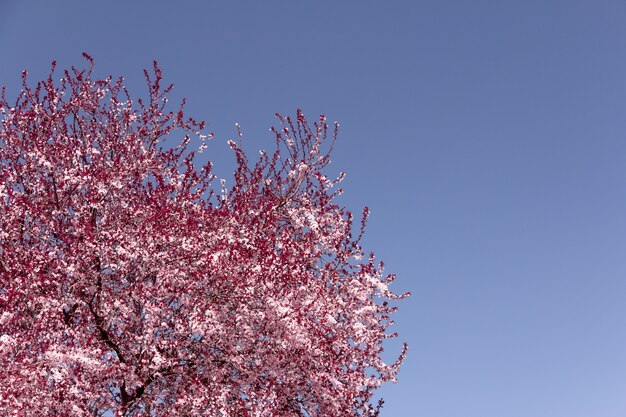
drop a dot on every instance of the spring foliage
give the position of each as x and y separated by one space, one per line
130 286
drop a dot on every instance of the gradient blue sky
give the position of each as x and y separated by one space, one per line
487 137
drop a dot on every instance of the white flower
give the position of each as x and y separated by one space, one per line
5 317
7 340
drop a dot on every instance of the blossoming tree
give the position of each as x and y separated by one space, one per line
129 287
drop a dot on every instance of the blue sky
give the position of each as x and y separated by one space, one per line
487 137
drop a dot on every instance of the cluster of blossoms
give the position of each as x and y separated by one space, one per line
128 287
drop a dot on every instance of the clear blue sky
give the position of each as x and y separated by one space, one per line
487 137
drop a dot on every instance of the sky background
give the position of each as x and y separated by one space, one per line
488 139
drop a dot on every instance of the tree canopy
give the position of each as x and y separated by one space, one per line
131 286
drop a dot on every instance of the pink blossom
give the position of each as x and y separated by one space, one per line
129 286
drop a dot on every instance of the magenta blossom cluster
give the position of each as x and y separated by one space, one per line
129 286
